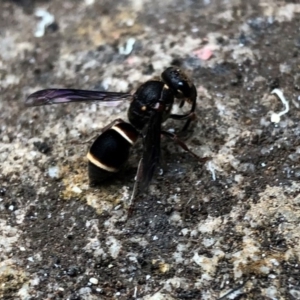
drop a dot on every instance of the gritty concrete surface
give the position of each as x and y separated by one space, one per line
225 230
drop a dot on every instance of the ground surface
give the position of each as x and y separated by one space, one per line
231 225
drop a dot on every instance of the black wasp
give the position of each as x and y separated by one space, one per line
150 106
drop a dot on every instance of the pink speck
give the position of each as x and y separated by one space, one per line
204 53
132 60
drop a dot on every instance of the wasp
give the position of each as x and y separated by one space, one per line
150 106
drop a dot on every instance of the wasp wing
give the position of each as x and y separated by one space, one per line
57 96
151 149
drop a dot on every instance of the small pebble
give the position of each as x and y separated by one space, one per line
93 280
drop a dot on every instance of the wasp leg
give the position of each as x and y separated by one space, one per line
111 124
175 139
182 103
138 178
76 142
191 116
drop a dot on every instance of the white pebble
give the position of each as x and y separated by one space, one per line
275 117
76 189
53 172
93 280
46 20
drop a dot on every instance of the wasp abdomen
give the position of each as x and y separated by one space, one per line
110 151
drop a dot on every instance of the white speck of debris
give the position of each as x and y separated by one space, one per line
275 117
126 50
114 246
285 68
264 269
118 294
264 122
130 22
211 168
35 281
76 189
296 103
271 292
194 233
208 242
10 80
135 293
178 257
11 207
125 195
46 20
85 291
89 2
160 172
148 277
175 217
295 294
106 83
93 280
234 294
53 172
263 164
133 258
274 262
184 231
221 108
5 139
207 264
23 293
118 207
30 259
155 238
211 224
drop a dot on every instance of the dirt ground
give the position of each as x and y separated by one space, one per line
228 229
